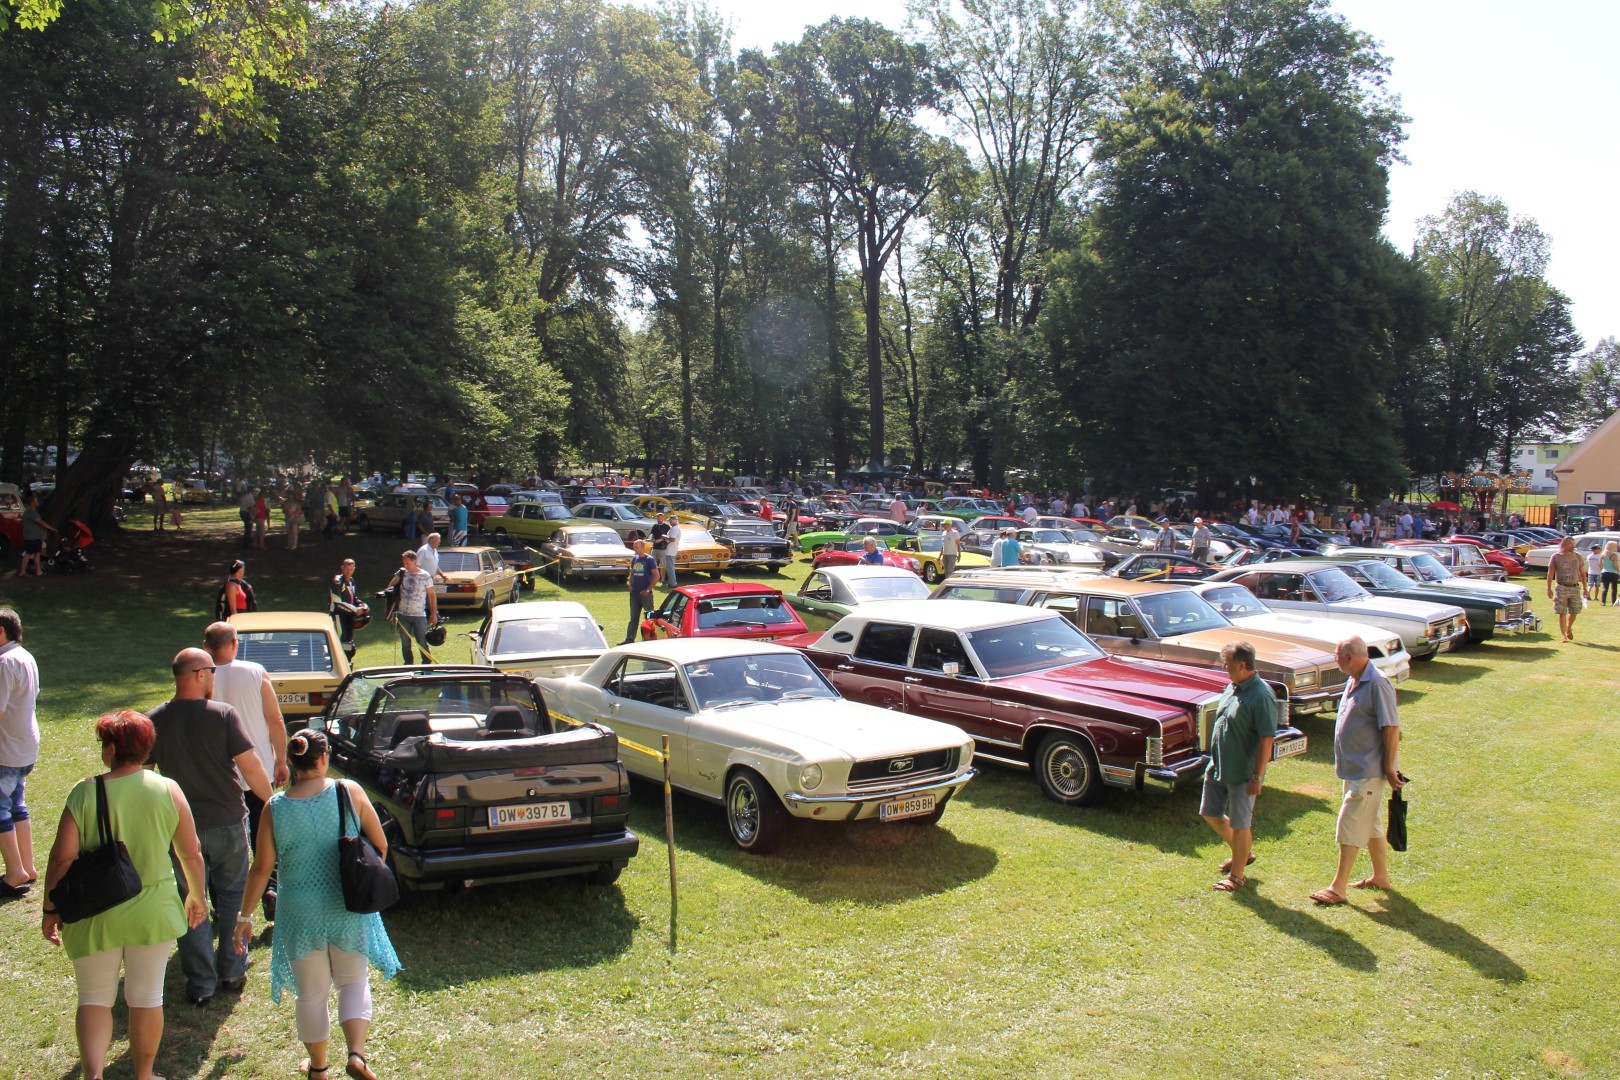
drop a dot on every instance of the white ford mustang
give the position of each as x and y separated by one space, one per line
755 727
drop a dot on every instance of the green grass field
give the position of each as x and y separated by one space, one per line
1020 938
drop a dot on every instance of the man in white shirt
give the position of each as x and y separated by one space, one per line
19 750
1029 513
666 558
427 557
246 687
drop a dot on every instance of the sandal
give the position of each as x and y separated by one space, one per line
1226 864
1328 898
1230 884
363 1072
309 1070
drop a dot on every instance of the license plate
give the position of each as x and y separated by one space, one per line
292 699
904 808
541 813
1288 747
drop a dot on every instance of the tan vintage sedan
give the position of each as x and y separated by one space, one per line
475 577
302 654
1159 622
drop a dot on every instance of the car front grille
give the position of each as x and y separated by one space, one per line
1439 631
1330 676
1514 611
880 773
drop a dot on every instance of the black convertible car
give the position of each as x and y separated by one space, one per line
471 781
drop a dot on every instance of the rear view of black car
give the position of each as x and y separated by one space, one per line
473 783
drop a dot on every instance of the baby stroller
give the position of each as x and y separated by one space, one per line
69 556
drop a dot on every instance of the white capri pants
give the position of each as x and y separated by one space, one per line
97 975
314 975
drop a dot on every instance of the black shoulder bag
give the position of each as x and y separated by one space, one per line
368 883
1395 832
98 880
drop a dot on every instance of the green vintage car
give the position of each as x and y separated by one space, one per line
829 593
533 522
886 529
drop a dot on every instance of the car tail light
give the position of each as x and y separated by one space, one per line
463 588
444 817
317 699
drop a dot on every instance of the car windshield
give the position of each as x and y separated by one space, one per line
728 612
1383 575
1335 586
1030 646
860 545
1081 536
554 512
743 680
1235 602
930 541
538 635
494 501
286 652
1043 536
622 512
749 529
458 562
590 537
691 535
1179 613
900 586
454 706
1430 568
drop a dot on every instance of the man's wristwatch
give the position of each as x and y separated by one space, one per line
241 918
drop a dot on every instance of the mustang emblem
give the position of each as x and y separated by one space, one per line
901 764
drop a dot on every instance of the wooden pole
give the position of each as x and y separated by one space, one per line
669 839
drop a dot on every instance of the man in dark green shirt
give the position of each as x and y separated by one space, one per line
1239 751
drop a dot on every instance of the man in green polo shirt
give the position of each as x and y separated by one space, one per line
1239 751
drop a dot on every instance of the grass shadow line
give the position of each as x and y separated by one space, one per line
1341 947
1402 913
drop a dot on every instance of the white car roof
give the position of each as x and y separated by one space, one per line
864 570
953 614
695 650
539 609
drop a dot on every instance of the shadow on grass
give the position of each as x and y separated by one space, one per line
1515 650
1595 645
1400 913
872 863
1169 822
506 930
1341 947
190 1032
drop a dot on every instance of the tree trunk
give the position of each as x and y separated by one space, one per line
872 289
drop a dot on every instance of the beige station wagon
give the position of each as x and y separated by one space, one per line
1157 621
475 577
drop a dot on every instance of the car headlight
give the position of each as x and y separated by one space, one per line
1303 679
810 777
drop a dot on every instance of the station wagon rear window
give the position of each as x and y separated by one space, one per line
287 652
545 635
733 611
459 562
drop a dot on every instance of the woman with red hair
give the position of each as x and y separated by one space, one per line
149 814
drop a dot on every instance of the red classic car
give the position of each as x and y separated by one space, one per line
1033 691
480 508
737 609
1507 560
849 552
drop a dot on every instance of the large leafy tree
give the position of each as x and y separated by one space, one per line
1224 313
1594 391
849 98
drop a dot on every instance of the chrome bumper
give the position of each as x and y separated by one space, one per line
1313 701
1431 646
1164 778
852 805
1528 623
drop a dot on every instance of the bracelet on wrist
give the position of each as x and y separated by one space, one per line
241 918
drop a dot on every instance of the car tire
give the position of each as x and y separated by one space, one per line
364 523
754 815
488 605
563 570
605 874
517 588
1067 769
930 573
933 816
499 533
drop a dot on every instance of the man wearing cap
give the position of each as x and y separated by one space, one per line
1200 540
1166 540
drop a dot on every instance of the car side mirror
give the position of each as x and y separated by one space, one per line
951 669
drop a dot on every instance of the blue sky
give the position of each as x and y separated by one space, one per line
1510 98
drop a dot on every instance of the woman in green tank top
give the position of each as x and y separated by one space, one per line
148 813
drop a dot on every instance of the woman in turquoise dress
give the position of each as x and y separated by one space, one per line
318 942
149 814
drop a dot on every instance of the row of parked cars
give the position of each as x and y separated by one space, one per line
863 693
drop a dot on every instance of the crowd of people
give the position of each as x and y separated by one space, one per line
221 749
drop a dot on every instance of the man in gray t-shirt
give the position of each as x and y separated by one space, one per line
202 745
1366 737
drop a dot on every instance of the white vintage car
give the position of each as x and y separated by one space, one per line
539 638
755 727
1384 647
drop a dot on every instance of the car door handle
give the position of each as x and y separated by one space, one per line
911 679
844 667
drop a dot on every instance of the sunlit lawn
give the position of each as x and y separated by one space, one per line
1018 939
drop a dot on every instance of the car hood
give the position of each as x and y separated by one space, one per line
1499 591
1123 683
1314 629
549 665
1070 552
830 730
597 551
1273 647
1394 607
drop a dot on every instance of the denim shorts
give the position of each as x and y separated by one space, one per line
1231 801
12 807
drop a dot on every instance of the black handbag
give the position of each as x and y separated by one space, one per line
1395 833
98 880
368 883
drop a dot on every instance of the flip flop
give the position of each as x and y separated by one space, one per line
1368 883
1226 864
1229 884
1328 898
